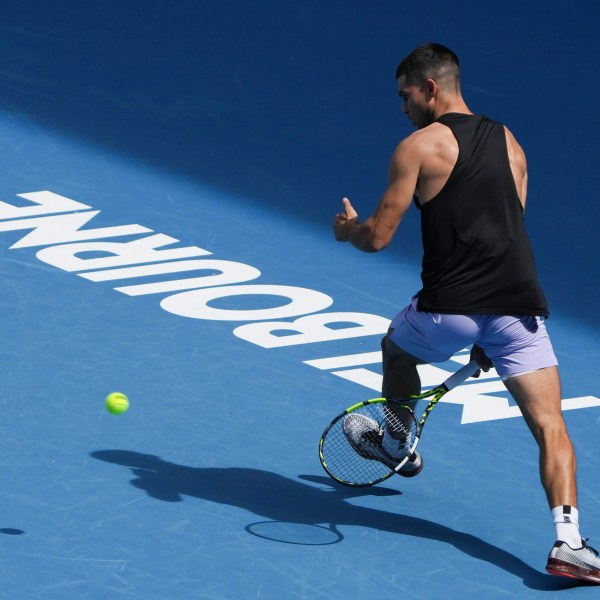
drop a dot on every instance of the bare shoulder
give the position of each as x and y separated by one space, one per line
516 154
518 165
432 134
512 144
433 139
429 154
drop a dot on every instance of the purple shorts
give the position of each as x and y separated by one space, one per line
514 344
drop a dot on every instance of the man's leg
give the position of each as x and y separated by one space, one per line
521 351
390 442
400 380
538 395
400 376
433 338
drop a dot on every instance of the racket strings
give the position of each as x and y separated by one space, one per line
400 431
365 445
399 422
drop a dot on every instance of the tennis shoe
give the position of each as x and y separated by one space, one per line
398 449
363 434
578 563
366 438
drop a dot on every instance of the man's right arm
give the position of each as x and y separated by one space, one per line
378 230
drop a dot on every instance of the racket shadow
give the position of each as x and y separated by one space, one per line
276 498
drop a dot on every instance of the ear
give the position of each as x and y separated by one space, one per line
431 88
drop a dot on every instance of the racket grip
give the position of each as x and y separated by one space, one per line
461 375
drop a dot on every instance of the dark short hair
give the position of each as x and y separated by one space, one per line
430 61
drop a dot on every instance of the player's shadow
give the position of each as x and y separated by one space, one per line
278 498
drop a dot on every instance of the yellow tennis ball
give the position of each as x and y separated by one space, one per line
117 403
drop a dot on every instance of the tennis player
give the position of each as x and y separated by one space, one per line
467 175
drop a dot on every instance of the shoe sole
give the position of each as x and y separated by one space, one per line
563 569
365 454
412 473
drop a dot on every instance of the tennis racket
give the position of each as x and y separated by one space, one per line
373 440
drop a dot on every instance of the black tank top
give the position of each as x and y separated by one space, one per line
477 256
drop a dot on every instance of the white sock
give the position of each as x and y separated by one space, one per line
566 521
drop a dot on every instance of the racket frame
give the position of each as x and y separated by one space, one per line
435 394
322 459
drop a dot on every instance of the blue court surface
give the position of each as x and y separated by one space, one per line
170 174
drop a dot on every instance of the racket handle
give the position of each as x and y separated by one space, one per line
461 375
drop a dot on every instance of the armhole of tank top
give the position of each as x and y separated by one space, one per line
452 173
510 171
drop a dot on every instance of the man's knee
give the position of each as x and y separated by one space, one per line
391 350
400 376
